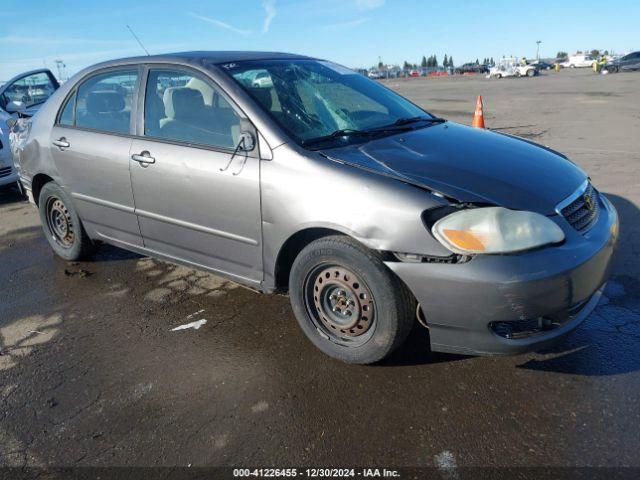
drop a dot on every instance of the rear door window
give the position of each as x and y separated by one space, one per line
104 101
67 116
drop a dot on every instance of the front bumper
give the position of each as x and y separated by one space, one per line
8 173
464 302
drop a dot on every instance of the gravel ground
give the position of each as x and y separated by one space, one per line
91 373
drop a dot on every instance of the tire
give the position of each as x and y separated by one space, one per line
375 310
531 73
61 224
518 74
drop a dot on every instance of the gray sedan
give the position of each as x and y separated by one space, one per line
318 181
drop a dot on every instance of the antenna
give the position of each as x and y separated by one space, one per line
138 40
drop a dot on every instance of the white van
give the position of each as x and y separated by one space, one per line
579 61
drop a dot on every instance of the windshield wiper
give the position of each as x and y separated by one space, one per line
343 132
406 121
398 125
403 122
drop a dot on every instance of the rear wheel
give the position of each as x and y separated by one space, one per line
531 73
61 224
347 302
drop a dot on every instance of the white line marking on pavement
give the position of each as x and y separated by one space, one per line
195 325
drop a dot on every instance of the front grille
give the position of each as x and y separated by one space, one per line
5 172
583 208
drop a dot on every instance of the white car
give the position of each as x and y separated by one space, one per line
512 69
23 94
578 61
262 80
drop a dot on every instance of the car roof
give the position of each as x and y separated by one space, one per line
212 57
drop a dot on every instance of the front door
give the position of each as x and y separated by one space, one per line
90 144
195 200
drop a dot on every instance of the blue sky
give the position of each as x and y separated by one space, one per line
351 32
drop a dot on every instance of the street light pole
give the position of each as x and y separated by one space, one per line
538 42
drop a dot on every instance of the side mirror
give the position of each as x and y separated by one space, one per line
247 142
14 106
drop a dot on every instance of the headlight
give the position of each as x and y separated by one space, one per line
495 230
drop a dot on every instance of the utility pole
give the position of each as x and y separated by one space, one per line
60 66
538 42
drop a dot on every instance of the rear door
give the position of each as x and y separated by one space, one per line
196 200
90 144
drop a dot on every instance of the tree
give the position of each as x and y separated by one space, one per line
445 61
562 55
595 53
606 52
380 65
492 62
477 62
451 62
435 61
424 62
406 66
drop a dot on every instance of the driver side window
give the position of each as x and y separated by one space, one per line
184 107
30 90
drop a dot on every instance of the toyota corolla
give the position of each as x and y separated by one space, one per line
317 181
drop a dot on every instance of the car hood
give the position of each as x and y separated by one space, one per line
470 165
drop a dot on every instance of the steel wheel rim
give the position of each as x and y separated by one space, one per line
60 223
340 305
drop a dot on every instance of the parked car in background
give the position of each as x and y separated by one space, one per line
510 67
21 96
368 210
541 65
626 63
262 80
472 68
578 61
375 74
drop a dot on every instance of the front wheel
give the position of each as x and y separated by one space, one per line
61 224
531 73
347 302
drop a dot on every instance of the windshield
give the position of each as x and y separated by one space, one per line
313 99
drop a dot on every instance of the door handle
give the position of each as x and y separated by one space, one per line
143 158
61 143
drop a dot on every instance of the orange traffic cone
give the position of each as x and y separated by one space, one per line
478 116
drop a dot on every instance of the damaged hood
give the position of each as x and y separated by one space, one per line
470 165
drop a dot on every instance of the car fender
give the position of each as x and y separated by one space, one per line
303 190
